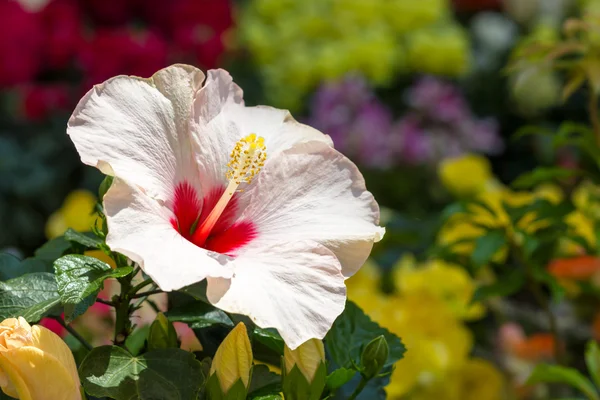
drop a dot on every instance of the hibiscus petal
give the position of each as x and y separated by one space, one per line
295 287
137 129
223 119
139 228
312 192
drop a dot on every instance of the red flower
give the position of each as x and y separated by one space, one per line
62 31
40 101
20 44
122 52
109 12
196 28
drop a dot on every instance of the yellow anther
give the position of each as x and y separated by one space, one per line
247 158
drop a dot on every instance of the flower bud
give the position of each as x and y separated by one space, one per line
233 359
374 356
35 363
305 371
308 357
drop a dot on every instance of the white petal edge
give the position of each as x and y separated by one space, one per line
312 192
295 287
138 129
221 119
139 228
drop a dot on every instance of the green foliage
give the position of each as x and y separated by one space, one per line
89 242
110 371
11 267
344 343
541 175
31 296
263 382
592 360
374 357
214 391
297 387
53 249
351 331
162 334
79 279
568 376
198 315
486 247
270 338
506 285
339 378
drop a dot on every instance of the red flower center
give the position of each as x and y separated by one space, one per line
190 212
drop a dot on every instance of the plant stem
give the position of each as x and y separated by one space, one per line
123 310
73 332
144 294
543 301
107 302
593 111
359 388
139 286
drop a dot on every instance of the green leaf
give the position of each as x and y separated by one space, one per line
135 342
267 397
79 277
270 338
569 376
506 285
11 267
104 186
53 249
540 274
339 378
167 374
592 360
31 296
295 386
351 331
88 241
162 334
264 382
199 314
487 246
540 175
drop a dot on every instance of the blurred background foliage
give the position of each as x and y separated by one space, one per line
475 123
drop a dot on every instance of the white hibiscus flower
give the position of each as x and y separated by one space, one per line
258 204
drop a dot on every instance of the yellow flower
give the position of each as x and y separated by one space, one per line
308 357
586 198
467 175
450 283
77 212
465 228
439 50
35 363
476 379
436 344
297 45
233 359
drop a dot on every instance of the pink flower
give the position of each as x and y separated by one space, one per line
54 326
246 197
122 52
21 44
40 101
62 32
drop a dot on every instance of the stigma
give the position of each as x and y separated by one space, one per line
246 160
